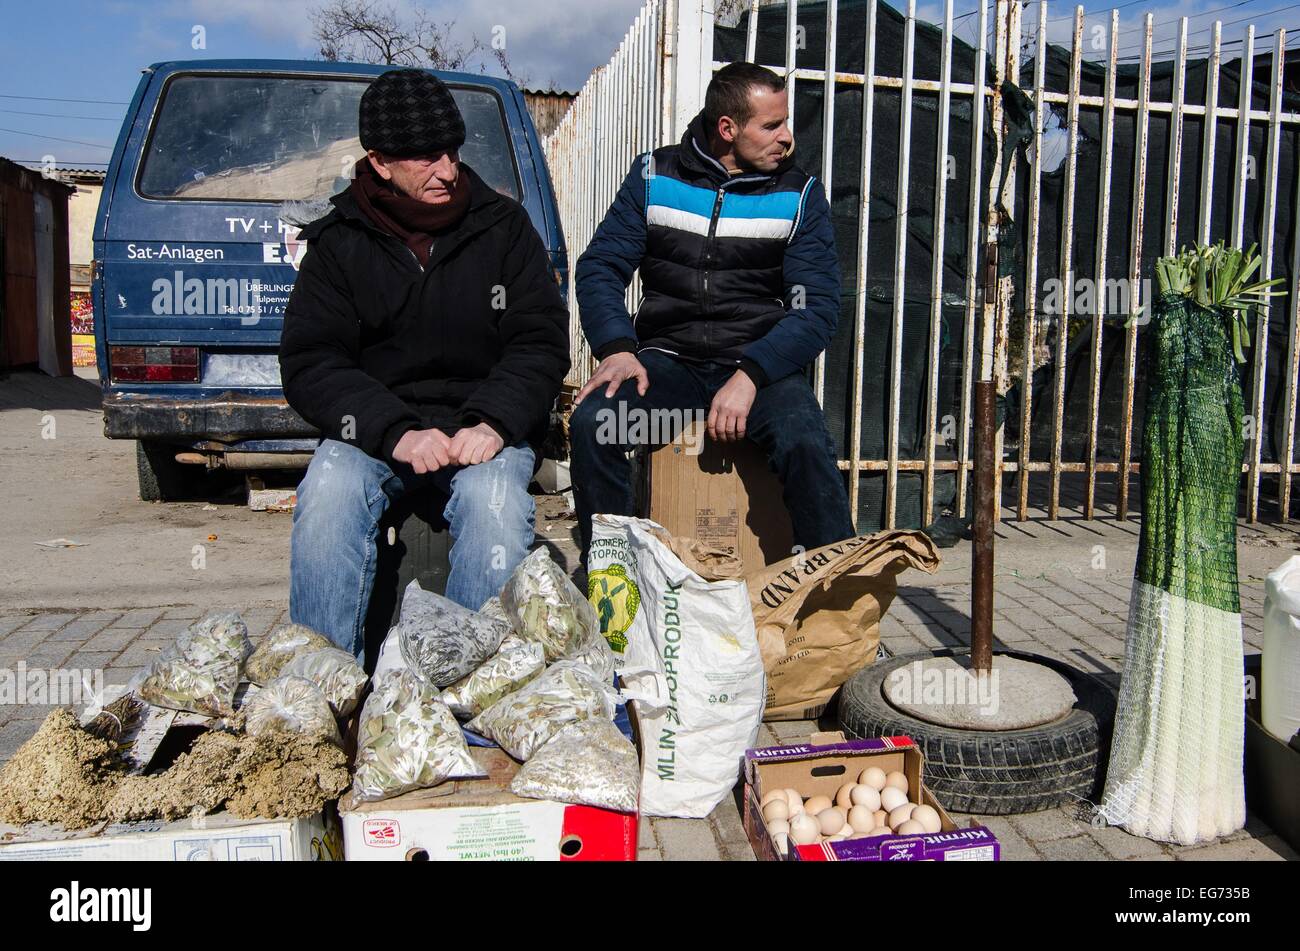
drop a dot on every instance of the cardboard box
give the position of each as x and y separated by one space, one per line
215 838
725 496
1272 769
827 762
482 820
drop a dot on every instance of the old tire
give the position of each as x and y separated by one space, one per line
161 477
995 773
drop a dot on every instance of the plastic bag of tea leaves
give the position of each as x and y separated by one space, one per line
407 739
337 674
201 670
515 664
283 644
521 722
492 608
543 605
290 704
589 763
441 641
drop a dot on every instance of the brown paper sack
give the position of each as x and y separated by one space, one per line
818 615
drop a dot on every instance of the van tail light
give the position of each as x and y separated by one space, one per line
153 364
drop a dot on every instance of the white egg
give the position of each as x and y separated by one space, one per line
891 798
831 820
866 796
817 803
897 780
879 831
804 829
778 825
881 817
928 816
911 827
795 800
774 794
843 796
874 777
776 809
900 815
782 842
862 819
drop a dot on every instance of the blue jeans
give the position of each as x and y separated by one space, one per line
785 421
344 495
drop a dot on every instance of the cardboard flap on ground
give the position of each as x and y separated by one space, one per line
481 819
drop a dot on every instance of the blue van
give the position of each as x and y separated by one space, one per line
218 165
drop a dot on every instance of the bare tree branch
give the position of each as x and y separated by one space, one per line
367 31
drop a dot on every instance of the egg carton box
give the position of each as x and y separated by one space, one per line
828 761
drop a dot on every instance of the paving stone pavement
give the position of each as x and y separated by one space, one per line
1061 590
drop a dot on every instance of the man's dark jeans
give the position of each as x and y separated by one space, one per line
785 421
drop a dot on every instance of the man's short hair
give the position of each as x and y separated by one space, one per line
728 92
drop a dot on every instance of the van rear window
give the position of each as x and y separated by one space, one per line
269 138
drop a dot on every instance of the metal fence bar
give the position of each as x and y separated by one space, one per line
791 38
1142 133
860 296
900 262
1099 288
1207 139
936 269
1031 269
1067 266
1176 142
751 35
828 151
1260 354
973 234
1239 170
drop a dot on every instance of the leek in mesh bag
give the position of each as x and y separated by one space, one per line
589 763
283 644
201 670
336 672
543 605
407 739
515 664
1175 770
442 641
521 722
290 704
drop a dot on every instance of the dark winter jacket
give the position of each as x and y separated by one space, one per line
735 269
373 345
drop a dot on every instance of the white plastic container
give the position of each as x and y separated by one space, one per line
1280 676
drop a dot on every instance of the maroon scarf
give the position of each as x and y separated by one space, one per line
413 222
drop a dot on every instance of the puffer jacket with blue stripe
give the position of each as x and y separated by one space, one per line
736 269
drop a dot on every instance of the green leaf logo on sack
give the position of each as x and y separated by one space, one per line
616 599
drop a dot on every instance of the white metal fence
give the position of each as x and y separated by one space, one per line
654 85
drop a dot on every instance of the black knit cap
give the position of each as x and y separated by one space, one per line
409 112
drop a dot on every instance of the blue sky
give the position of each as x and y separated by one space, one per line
90 53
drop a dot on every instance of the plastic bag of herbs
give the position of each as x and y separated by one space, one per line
569 691
589 763
407 739
283 644
201 670
543 605
515 664
336 672
290 704
442 641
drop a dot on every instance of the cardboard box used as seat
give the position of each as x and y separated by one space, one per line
482 820
828 761
724 496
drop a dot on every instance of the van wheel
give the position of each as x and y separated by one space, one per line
162 478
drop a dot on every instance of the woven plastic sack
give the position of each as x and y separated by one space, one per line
441 641
201 670
515 664
407 739
283 644
336 672
1175 770
543 605
589 763
523 721
290 704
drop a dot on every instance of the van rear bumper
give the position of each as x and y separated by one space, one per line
230 417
